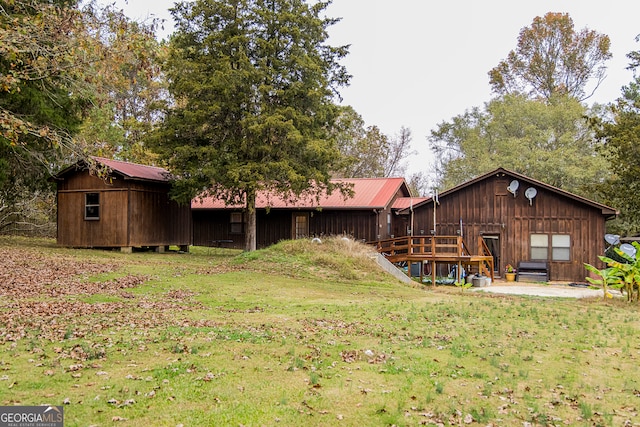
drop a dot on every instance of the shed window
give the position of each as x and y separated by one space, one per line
92 206
236 222
561 247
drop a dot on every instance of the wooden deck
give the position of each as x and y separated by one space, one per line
438 250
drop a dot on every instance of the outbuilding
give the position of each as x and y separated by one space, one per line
116 204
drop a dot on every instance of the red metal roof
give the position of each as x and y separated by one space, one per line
368 193
134 170
407 202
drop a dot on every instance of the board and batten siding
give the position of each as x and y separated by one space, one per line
132 213
487 208
213 227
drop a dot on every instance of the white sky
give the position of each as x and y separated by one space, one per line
417 63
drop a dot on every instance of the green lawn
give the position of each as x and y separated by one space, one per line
299 334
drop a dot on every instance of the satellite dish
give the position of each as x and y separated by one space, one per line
612 239
530 194
513 187
628 249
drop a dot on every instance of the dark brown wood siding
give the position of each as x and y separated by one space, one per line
108 231
360 225
210 226
132 214
213 227
486 208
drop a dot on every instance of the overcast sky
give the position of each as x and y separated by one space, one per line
417 63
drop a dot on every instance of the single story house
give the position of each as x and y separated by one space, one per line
369 215
126 206
520 219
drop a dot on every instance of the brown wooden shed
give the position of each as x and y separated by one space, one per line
520 219
369 215
129 208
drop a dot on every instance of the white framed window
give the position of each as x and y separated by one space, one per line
92 206
561 247
236 223
539 247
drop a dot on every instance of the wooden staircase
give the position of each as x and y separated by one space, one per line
437 250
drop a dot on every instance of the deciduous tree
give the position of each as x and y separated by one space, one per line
128 86
58 64
621 137
366 151
551 58
254 83
547 141
40 106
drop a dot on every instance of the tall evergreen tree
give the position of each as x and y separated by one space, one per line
254 84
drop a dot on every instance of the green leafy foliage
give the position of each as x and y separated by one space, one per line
551 59
623 274
549 141
463 285
61 67
608 277
620 136
128 88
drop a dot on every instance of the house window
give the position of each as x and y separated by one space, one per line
539 247
301 226
560 247
236 222
92 206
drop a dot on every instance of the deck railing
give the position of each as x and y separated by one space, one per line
418 246
437 249
486 267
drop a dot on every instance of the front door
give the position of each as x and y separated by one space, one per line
300 225
493 243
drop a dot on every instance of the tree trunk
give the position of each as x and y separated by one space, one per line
250 233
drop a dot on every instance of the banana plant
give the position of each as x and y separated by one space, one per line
462 285
623 275
608 278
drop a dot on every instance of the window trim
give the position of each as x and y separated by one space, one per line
532 247
550 247
236 219
554 247
91 206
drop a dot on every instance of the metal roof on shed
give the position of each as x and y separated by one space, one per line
127 170
134 170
